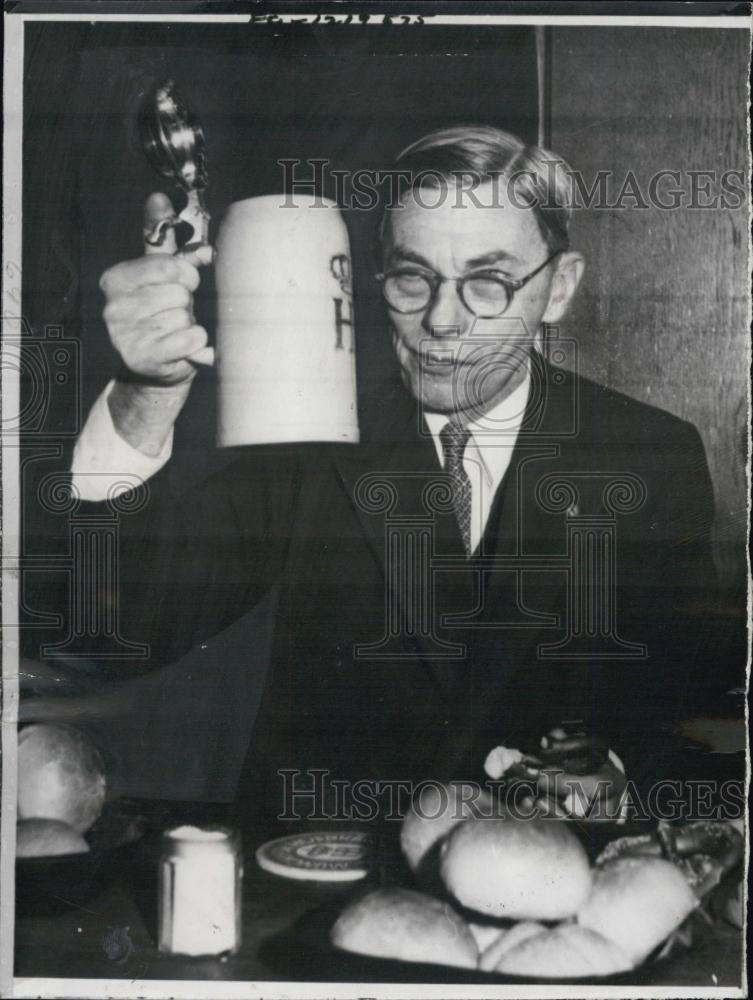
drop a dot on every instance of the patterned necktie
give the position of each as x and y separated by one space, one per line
454 438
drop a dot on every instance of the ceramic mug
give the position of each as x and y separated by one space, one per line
285 335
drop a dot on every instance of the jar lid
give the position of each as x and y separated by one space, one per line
188 839
335 856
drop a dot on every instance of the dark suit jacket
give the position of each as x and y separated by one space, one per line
601 532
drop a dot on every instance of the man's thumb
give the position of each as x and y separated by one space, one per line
158 207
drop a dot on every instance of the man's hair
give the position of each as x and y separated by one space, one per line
478 153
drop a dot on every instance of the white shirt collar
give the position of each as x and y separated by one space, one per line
493 434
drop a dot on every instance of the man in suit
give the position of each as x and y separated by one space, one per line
509 547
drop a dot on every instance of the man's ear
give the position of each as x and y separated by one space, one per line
565 281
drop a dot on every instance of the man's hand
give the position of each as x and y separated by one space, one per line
149 317
149 307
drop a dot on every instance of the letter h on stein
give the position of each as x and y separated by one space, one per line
341 271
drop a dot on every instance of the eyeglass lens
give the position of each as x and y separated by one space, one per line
410 291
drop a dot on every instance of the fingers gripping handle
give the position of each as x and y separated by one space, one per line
159 237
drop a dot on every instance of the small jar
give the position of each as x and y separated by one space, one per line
200 879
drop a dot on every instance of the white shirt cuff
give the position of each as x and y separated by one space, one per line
104 464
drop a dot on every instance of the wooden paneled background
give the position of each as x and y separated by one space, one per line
662 313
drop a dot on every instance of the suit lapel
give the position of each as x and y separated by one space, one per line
385 476
517 525
391 478
399 453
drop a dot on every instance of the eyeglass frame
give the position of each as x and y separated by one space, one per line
512 286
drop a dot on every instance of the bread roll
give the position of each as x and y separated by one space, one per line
506 941
637 903
61 776
47 838
486 934
535 870
407 925
438 809
565 952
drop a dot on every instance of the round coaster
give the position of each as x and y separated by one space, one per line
340 856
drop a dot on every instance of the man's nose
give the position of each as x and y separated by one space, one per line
446 316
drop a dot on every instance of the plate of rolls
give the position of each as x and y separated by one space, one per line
482 897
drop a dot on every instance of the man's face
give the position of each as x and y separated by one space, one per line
451 360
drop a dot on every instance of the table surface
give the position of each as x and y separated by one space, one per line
112 935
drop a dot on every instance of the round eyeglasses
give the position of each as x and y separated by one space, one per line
486 293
